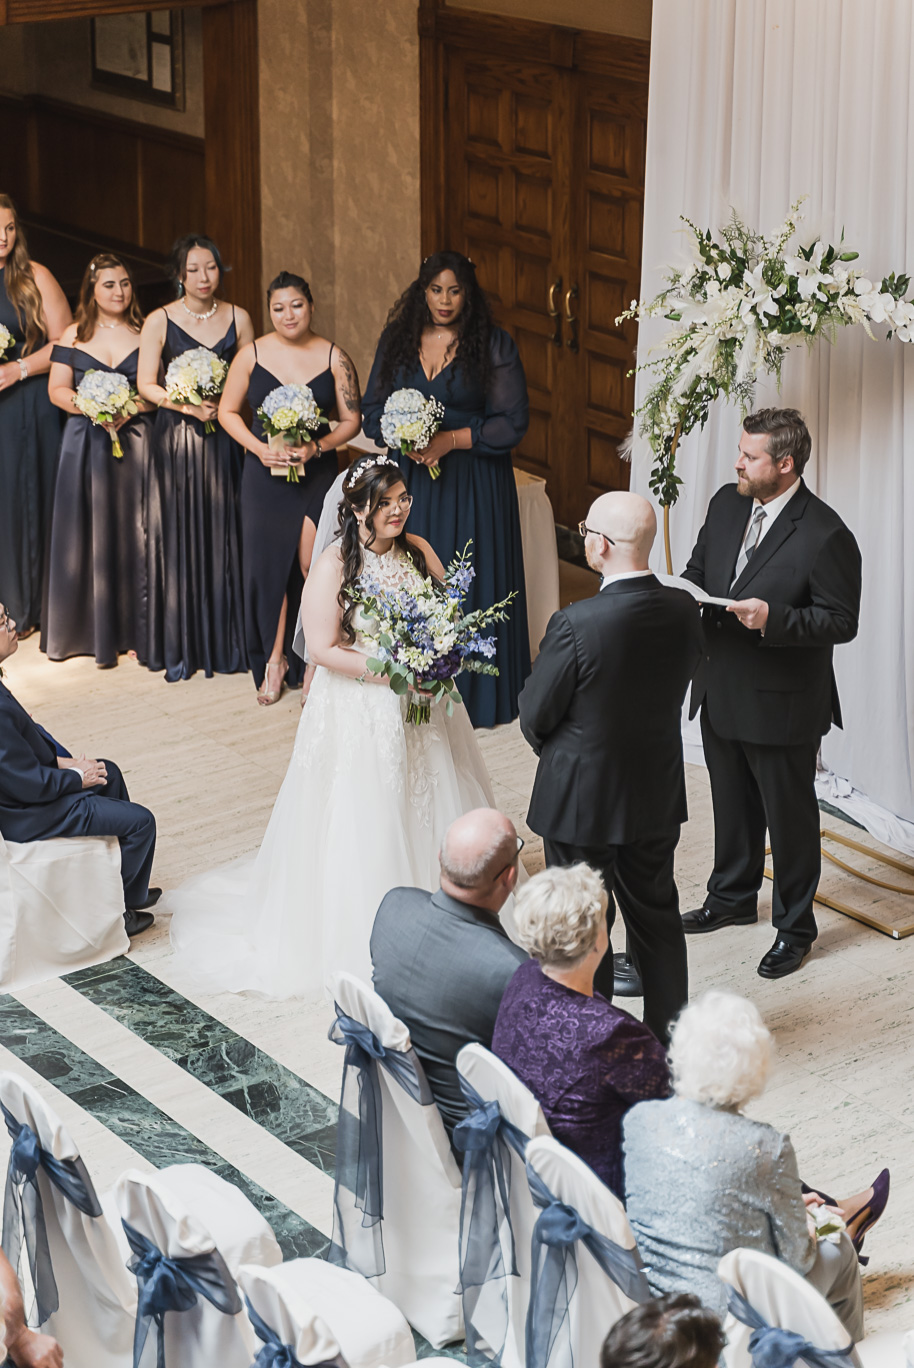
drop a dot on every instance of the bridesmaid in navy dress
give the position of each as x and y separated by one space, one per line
34 310
97 567
278 518
440 339
196 618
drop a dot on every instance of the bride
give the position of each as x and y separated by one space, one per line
366 798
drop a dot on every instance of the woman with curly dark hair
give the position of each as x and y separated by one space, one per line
440 339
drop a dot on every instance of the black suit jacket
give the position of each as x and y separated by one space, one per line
602 709
33 791
442 967
776 689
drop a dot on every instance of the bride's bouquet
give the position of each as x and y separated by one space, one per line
7 341
289 415
424 637
195 375
105 396
410 421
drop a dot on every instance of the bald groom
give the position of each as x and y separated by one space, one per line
602 709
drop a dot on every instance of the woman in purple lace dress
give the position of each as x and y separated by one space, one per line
585 1061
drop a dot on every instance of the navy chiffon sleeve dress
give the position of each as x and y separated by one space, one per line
97 597
196 620
474 499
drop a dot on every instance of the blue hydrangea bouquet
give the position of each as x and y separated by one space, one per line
290 415
410 421
424 637
105 396
195 375
7 342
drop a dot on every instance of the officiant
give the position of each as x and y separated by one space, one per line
766 688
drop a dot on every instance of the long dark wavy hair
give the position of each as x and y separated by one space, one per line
402 336
87 308
23 293
370 484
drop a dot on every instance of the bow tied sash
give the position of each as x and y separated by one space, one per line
23 1207
554 1269
166 1284
358 1241
275 1353
771 1346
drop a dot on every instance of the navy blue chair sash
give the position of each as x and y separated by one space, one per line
771 1346
276 1354
23 1208
487 1139
358 1242
166 1284
554 1269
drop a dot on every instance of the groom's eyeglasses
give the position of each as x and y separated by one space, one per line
520 845
584 529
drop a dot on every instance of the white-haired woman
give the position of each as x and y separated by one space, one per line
701 1178
584 1060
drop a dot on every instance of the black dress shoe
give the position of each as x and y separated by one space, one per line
152 897
135 921
626 979
783 959
702 919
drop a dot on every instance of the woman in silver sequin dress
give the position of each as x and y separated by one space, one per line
702 1179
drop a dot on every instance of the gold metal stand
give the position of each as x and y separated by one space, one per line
902 925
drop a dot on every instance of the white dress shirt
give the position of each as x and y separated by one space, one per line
624 574
773 508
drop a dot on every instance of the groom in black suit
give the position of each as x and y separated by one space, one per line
602 709
44 792
766 688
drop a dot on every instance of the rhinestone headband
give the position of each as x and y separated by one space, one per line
359 470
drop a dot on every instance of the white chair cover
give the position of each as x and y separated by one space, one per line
97 1294
888 1349
202 1336
494 1082
597 1302
420 1177
240 1233
782 1298
61 907
330 1314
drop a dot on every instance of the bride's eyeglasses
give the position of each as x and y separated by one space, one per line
404 501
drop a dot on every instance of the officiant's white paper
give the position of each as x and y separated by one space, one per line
699 595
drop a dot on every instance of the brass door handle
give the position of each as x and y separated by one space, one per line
553 310
571 342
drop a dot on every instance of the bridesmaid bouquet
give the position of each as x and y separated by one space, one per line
424 637
7 341
289 416
195 375
105 396
410 421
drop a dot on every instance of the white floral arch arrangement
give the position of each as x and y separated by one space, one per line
735 310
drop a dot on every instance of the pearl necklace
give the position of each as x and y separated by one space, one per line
108 325
198 317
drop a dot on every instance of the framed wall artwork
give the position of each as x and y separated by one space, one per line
140 55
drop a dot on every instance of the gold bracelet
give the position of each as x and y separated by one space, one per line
454 445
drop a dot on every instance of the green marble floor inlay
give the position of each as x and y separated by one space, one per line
276 1098
136 1120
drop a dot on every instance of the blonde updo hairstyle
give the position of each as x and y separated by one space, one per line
558 913
721 1052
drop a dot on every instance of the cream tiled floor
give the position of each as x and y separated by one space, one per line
209 763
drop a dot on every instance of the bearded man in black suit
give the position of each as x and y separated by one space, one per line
766 687
603 711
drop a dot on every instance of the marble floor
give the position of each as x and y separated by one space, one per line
145 1070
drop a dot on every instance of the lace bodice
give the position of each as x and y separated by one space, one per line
391 570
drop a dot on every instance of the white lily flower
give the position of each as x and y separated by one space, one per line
809 276
760 296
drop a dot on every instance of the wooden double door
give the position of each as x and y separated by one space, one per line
539 171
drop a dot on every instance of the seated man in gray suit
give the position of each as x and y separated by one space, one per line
441 961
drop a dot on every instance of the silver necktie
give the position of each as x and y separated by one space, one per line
751 542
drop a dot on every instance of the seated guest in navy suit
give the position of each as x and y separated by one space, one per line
44 792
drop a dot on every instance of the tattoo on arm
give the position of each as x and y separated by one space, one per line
349 383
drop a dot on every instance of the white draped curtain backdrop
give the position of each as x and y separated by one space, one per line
754 103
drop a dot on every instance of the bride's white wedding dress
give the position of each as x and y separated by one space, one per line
362 809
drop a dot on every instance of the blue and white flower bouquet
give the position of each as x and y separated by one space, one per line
410 421
7 341
424 637
289 415
196 375
105 396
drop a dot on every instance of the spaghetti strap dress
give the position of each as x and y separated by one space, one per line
272 513
97 562
474 499
29 438
196 618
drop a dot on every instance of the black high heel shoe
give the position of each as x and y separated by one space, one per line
873 1209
